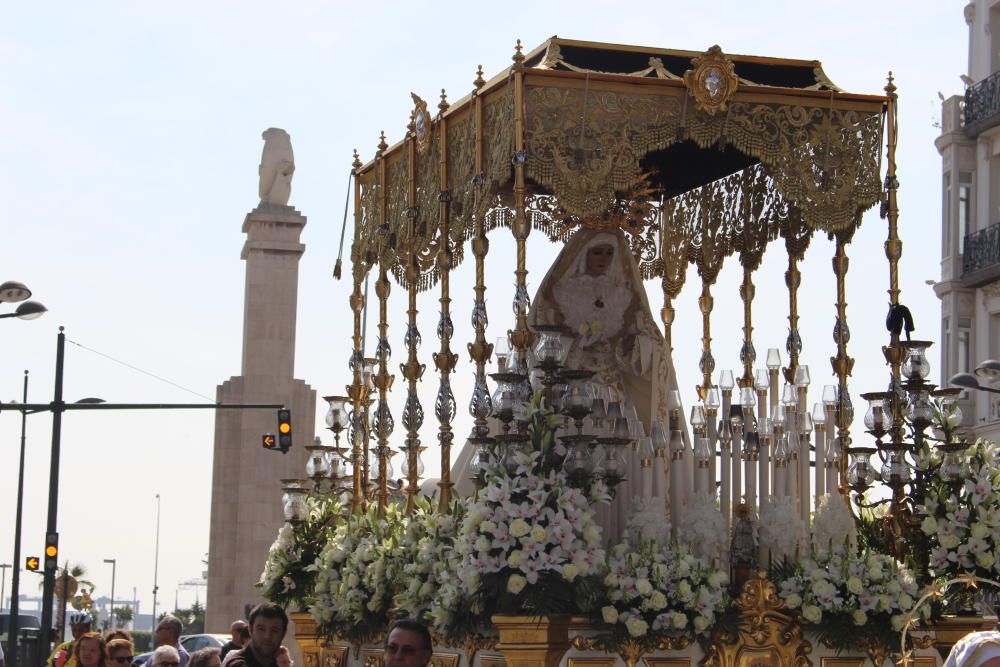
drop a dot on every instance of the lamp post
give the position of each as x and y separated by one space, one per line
156 562
15 581
14 292
114 567
988 371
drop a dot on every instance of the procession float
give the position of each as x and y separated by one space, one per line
589 517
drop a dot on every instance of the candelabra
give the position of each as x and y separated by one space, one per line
898 420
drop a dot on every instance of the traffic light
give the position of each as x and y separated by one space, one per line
51 551
31 563
269 441
284 430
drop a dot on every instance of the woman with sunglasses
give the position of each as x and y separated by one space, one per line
121 652
91 651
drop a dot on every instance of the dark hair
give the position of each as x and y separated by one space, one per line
173 623
116 643
415 627
118 633
244 633
270 610
201 657
91 636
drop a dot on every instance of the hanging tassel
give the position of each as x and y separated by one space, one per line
339 266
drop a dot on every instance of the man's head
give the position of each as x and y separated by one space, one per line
268 624
599 258
205 657
244 637
235 628
168 631
408 644
79 623
166 656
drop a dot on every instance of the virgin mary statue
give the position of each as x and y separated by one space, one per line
594 290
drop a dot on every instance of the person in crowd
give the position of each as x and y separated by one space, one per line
268 625
168 633
90 650
408 644
976 649
236 643
205 657
121 650
80 623
118 633
284 657
244 641
165 656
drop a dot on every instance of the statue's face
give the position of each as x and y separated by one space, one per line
599 259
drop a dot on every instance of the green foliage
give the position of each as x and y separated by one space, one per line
143 640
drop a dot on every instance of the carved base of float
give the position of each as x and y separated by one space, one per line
766 635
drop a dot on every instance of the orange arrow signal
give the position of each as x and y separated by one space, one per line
268 440
31 563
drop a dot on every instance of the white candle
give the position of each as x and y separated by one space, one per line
751 494
820 461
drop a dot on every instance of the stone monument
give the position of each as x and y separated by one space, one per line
246 492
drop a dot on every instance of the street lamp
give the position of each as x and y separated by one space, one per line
114 567
13 292
988 371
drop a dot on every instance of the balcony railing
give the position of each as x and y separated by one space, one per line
981 259
982 104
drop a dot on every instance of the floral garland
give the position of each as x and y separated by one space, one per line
851 599
288 578
354 583
655 592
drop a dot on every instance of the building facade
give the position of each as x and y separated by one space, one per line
969 287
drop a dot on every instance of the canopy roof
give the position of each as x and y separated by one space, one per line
661 142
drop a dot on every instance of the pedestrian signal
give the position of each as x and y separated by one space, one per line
31 563
284 430
51 551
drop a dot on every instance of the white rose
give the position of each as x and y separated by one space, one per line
854 585
611 579
539 535
636 626
905 602
793 601
985 560
487 527
483 543
643 586
592 533
700 624
519 528
949 541
812 613
610 614
514 559
658 600
353 580
929 525
893 587
679 620
570 571
516 584
860 618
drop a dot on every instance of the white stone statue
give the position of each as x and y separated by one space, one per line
277 164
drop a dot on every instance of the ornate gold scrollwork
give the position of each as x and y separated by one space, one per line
712 80
767 635
421 123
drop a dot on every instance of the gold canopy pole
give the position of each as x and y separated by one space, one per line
412 370
520 337
893 252
479 350
748 356
842 364
356 390
383 382
444 406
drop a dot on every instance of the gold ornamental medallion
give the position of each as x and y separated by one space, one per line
712 80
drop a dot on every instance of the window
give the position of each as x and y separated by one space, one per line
946 217
964 346
964 209
946 348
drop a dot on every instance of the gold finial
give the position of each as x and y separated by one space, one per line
480 81
382 145
411 127
357 160
518 57
443 104
890 87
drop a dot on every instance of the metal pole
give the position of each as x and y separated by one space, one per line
57 410
156 562
3 582
114 566
15 582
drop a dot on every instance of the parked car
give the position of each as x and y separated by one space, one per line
191 643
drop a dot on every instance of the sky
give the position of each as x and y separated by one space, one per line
130 160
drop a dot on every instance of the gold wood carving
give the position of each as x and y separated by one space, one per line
372 657
767 635
533 641
666 662
492 661
335 654
712 81
842 662
444 659
421 123
591 662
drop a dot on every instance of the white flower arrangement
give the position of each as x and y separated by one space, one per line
653 592
432 591
354 586
833 523
961 519
702 527
850 596
648 522
780 529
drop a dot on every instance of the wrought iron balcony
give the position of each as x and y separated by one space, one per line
981 259
982 104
